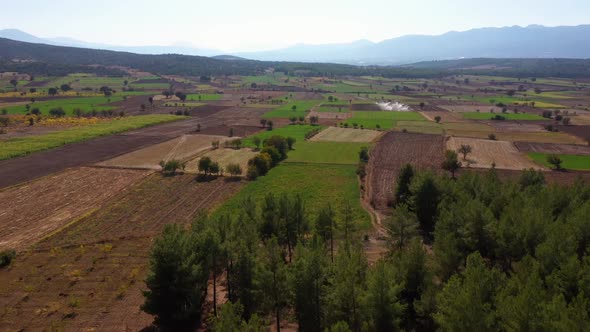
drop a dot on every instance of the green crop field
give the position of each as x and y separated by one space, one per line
569 161
86 104
508 116
21 146
317 184
203 96
385 120
286 111
326 152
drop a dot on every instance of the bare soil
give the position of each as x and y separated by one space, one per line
89 276
486 152
32 211
181 148
553 148
391 153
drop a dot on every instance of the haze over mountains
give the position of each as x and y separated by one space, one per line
508 42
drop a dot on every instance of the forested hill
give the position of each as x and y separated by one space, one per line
20 55
41 59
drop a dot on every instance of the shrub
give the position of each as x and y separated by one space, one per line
6 257
57 112
170 167
234 169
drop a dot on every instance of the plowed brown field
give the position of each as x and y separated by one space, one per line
32 211
391 153
89 276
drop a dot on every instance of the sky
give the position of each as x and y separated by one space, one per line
234 25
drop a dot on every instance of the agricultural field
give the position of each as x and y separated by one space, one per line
337 134
424 127
203 97
286 111
485 153
507 116
181 148
326 152
40 208
317 184
102 258
553 148
381 119
570 162
391 153
86 104
22 146
82 198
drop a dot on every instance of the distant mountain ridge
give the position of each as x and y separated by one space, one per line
19 35
533 41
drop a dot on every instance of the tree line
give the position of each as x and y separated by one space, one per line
469 254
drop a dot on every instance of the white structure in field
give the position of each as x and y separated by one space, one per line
393 106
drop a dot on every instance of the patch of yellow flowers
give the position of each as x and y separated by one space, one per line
65 121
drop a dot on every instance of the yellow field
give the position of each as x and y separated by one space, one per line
336 134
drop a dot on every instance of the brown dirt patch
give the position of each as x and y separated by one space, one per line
512 126
485 152
32 211
365 107
553 148
181 148
144 209
582 132
391 152
223 130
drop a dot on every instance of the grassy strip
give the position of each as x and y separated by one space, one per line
326 152
202 96
385 120
86 104
21 146
569 161
286 111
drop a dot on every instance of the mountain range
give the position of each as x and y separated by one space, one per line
533 41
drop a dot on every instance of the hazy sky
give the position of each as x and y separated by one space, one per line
265 24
